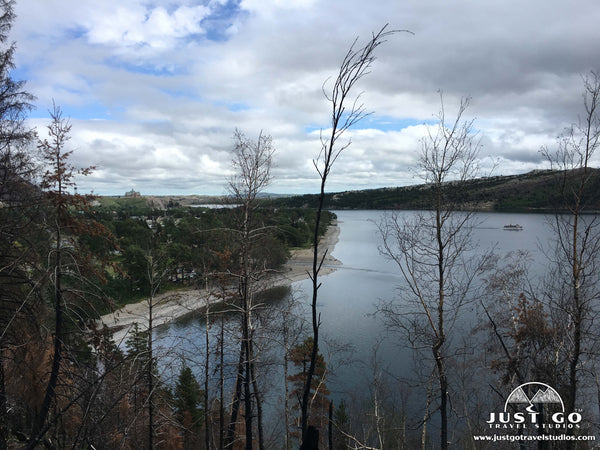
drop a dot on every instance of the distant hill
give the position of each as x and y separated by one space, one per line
160 201
172 201
537 191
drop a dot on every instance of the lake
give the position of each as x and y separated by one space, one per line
348 299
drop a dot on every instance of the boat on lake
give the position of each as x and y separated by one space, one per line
515 227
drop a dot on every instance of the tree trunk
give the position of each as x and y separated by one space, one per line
330 430
286 408
248 397
441 336
235 405
50 394
149 373
315 319
207 372
247 363
3 418
443 382
222 387
257 398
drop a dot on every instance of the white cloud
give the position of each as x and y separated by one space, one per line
134 27
172 79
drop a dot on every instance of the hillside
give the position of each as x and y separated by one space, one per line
536 191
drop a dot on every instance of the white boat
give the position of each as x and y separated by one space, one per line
511 227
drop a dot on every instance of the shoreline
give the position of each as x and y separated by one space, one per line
173 305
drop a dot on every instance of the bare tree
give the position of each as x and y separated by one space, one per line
577 234
157 271
208 318
430 247
346 111
252 165
290 333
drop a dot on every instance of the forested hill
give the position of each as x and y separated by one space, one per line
536 191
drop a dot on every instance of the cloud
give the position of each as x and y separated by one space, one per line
133 28
156 88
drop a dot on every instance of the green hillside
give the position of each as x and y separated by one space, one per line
536 191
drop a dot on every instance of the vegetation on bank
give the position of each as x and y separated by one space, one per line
536 191
194 240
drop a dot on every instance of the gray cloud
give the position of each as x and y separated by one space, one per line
155 89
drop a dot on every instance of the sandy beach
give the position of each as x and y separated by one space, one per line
169 306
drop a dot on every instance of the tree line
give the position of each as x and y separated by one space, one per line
533 192
193 240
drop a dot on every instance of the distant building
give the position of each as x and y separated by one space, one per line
132 194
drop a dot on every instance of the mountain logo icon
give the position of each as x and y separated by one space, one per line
534 392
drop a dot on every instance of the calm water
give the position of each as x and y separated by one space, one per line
348 299
349 296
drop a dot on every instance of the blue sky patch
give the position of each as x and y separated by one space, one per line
221 20
96 111
383 123
237 106
388 123
146 68
75 32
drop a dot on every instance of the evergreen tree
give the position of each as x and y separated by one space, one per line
16 207
300 356
72 270
188 410
341 426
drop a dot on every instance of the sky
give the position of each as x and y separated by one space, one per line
154 89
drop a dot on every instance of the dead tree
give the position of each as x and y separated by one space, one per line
346 111
577 234
56 180
429 249
157 270
252 165
68 263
